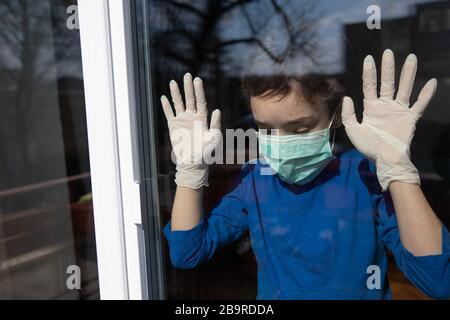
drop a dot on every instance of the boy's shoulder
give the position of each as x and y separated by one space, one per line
356 163
351 154
354 158
253 168
250 166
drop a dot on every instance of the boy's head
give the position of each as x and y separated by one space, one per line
293 104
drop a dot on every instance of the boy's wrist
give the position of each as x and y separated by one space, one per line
192 176
404 172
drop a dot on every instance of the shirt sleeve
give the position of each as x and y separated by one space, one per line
430 274
226 223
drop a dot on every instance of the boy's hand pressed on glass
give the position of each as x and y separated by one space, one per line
388 124
191 139
192 143
384 136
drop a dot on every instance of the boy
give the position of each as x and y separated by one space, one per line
324 220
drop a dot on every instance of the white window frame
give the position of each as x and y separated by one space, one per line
113 154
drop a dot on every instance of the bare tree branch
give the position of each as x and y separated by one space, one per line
186 7
236 3
203 37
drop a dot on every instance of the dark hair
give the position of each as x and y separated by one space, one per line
315 89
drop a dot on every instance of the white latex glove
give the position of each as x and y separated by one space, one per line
192 141
388 125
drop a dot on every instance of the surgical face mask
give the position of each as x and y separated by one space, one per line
297 158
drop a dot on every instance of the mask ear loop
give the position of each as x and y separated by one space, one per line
332 142
334 130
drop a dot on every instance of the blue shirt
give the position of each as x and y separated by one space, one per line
323 240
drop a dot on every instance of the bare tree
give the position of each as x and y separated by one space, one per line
191 37
21 38
28 56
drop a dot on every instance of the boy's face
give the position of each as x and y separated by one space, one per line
290 115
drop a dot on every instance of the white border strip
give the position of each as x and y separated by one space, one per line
103 147
121 43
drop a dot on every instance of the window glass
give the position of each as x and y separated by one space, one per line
220 41
47 239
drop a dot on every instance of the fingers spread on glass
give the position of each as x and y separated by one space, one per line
195 100
387 87
348 113
215 119
369 79
200 95
177 100
425 96
189 92
407 78
167 108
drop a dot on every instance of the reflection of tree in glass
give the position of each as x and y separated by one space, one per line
29 49
199 37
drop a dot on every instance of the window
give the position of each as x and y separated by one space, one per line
47 237
217 40
51 100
